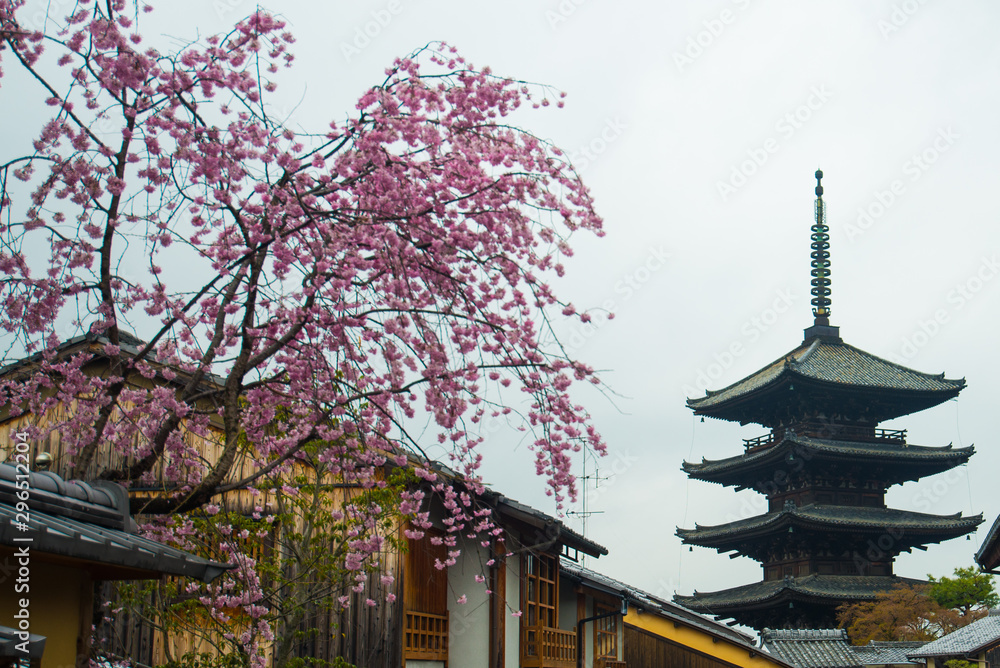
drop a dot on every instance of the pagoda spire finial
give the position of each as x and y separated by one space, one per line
820 259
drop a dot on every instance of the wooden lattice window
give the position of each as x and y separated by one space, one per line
541 591
605 632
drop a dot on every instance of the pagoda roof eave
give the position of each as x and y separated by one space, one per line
835 366
767 594
831 519
946 456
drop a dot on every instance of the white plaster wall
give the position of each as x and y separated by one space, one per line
512 649
469 624
413 663
567 606
567 617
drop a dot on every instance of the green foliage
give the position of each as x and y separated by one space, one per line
969 591
921 612
960 663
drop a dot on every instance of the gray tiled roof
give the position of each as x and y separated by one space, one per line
886 652
970 639
829 587
811 648
836 517
90 522
833 362
902 453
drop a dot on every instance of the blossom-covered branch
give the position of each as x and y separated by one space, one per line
198 299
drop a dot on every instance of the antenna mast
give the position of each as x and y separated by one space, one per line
585 512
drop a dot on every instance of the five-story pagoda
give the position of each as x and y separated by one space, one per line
827 537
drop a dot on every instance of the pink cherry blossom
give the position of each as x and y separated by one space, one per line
282 294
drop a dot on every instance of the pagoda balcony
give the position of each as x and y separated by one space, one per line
833 432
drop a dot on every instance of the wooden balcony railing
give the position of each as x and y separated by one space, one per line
760 441
425 636
546 647
829 431
610 663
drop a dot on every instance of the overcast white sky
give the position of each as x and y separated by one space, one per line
704 123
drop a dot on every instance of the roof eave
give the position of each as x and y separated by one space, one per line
796 589
553 530
718 536
988 555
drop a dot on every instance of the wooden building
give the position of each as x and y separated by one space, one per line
824 466
65 538
988 555
503 605
498 604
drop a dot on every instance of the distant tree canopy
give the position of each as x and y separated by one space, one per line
969 591
921 612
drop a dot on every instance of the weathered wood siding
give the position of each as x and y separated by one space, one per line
645 650
209 448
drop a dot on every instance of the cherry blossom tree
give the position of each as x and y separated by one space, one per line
329 286
267 289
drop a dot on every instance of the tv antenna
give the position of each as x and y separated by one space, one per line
585 512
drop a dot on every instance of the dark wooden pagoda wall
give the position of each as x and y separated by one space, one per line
803 616
855 564
829 495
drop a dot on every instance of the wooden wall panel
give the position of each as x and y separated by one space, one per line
425 586
646 650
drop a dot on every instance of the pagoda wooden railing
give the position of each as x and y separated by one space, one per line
760 441
425 636
547 647
821 430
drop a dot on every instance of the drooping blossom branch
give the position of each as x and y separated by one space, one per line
258 289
